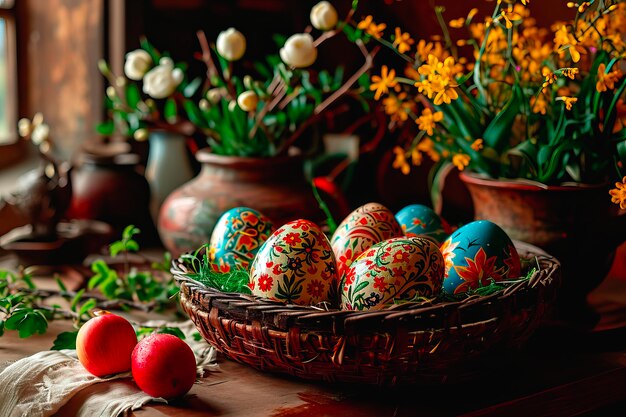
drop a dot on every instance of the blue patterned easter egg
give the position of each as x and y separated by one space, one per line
237 237
419 220
476 255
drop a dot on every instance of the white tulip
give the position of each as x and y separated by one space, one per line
324 16
162 80
299 51
231 44
138 62
248 100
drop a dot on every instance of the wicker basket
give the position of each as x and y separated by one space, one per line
425 344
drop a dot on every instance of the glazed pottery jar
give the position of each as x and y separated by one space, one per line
274 186
577 224
112 189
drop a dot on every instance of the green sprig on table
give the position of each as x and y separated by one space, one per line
25 308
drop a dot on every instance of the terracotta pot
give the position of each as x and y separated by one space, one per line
110 188
274 186
577 224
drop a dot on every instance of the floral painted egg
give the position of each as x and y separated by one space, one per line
295 265
364 227
476 255
419 220
237 237
396 269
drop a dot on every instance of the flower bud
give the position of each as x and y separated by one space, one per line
324 16
247 82
248 101
232 105
138 62
299 51
204 104
120 82
37 119
41 132
111 92
162 80
231 44
140 135
24 127
214 95
104 67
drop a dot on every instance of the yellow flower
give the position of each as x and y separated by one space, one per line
606 81
430 48
440 80
471 14
477 145
370 27
539 104
416 157
461 160
569 101
457 23
549 77
427 146
400 161
397 108
428 119
381 83
564 40
402 41
570 72
583 6
618 194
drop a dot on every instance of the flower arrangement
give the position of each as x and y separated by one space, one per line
261 113
530 103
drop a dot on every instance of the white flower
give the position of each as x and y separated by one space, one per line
231 44
24 127
162 80
40 134
248 100
140 135
324 16
299 51
138 62
215 94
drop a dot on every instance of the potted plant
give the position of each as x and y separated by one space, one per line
533 117
257 119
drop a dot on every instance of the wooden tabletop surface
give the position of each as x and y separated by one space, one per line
564 371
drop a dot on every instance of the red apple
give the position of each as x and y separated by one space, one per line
164 366
105 343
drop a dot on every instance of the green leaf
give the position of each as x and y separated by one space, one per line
27 322
60 283
170 110
106 128
130 231
133 96
439 172
147 46
86 307
194 113
197 336
65 340
498 132
116 248
76 299
191 88
1 328
171 330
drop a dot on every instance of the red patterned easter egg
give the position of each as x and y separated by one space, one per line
296 265
364 227
397 269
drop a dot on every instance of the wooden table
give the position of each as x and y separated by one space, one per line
563 372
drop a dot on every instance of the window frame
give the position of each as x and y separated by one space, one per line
11 148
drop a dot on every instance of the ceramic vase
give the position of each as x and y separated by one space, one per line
275 187
168 166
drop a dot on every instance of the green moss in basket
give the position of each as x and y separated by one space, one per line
206 272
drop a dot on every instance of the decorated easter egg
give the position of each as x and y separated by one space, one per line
364 227
476 255
237 237
395 269
296 265
419 220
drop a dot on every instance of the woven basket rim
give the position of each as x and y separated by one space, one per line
423 316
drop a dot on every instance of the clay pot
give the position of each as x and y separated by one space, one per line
111 188
577 224
274 186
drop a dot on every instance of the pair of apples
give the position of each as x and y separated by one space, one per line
162 365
